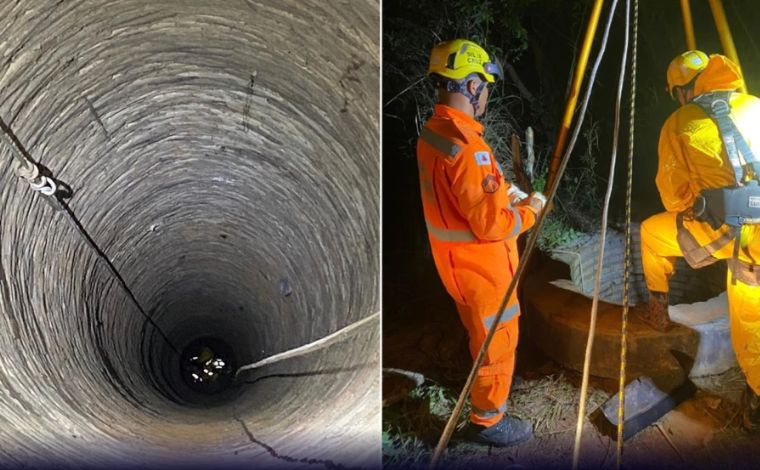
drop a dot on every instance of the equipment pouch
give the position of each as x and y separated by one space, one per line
733 206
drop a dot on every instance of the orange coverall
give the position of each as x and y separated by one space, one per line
473 229
692 158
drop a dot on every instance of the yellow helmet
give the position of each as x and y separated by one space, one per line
685 68
458 59
206 354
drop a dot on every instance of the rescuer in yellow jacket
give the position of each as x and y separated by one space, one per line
473 218
692 160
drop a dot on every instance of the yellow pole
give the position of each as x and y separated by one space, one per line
688 25
572 100
726 40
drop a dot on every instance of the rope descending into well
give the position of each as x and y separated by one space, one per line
32 172
46 185
600 258
627 269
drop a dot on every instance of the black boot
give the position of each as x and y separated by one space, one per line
751 411
507 432
656 312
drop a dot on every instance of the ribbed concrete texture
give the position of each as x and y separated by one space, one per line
700 346
686 286
224 154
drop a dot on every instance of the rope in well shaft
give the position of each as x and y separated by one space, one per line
19 151
311 347
600 259
627 269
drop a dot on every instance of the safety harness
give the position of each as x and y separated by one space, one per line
736 205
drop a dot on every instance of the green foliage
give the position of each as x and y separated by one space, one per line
440 400
490 18
556 233
412 426
539 184
411 28
403 450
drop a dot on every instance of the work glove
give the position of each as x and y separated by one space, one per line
536 202
515 194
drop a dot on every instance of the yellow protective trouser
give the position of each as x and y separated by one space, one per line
659 248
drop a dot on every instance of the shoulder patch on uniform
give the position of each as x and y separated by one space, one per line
490 184
483 158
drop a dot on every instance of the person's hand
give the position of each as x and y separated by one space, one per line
515 194
536 201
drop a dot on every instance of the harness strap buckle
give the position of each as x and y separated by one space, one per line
720 107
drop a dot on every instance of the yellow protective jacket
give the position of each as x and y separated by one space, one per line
692 157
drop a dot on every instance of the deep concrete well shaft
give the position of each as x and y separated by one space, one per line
224 154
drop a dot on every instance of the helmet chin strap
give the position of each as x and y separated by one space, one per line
461 87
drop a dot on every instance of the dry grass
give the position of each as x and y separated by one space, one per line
414 425
728 384
551 403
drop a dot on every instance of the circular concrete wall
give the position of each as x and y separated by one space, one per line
224 154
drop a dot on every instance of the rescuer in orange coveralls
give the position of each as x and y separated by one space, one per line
473 218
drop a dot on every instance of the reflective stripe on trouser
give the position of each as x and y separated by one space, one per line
488 415
745 272
663 239
490 390
658 252
696 255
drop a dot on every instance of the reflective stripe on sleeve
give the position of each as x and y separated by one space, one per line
448 235
518 223
464 235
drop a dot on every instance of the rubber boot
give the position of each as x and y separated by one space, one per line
751 411
656 312
507 432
